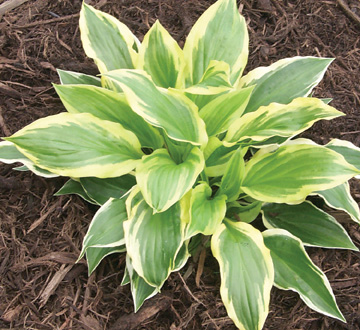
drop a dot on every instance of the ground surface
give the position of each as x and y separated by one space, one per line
40 235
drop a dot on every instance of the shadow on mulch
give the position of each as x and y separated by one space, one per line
40 235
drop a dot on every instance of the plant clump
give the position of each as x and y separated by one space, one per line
176 144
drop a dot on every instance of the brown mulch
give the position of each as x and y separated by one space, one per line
40 235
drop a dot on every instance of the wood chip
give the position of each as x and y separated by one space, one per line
50 258
150 309
9 5
39 221
53 284
11 314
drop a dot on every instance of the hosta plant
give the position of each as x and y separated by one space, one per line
181 150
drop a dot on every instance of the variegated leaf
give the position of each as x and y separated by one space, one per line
167 109
106 40
9 154
140 290
106 228
153 241
75 187
350 152
295 271
77 78
161 57
206 213
231 181
247 273
242 211
284 80
79 145
219 34
307 222
217 157
94 255
100 190
284 120
216 79
219 114
340 198
163 182
108 105
292 172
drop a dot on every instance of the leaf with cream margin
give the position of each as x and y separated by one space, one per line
79 145
284 80
140 290
94 255
220 113
231 181
217 157
107 41
206 213
350 152
106 227
219 34
168 109
9 154
161 57
295 271
292 172
163 182
153 241
247 273
340 198
279 120
216 79
77 78
108 105
307 222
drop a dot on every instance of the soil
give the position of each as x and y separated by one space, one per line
40 235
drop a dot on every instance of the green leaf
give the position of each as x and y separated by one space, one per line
284 120
284 80
74 187
217 157
242 211
167 109
350 152
9 154
182 257
161 57
340 198
326 100
293 172
206 213
163 182
219 34
79 145
153 241
219 114
214 81
295 271
246 271
77 78
106 228
140 290
100 190
108 105
106 40
126 278
94 255
307 222
234 172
